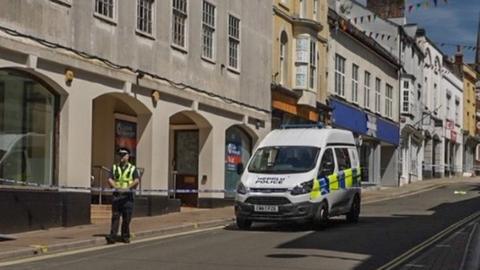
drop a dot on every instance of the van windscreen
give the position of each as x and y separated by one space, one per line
284 159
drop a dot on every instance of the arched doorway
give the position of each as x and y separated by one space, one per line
238 149
119 120
28 124
188 134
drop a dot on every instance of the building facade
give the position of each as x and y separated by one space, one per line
451 98
470 140
364 97
185 85
299 61
433 165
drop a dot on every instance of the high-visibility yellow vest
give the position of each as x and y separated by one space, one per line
123 178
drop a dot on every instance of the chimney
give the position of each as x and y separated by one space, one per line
387 9
459 57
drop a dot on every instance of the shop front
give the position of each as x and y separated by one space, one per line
286 111
377 138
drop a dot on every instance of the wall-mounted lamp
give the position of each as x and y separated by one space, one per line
155 97
69 75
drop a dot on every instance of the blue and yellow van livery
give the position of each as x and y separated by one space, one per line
301 174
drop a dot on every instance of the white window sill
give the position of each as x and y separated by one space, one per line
66 3
144 34
233 70
179 48
209 60
105 19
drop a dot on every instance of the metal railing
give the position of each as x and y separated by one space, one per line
99 179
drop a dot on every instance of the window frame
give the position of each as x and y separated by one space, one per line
367 89
389 100
55 139
340 62
302 13
312 68
213 30
232 39
315 10
355 69
152 19
113 19
284 55
378 94
183 15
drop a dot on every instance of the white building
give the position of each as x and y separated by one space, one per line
364 97
432 99
452 97
185 85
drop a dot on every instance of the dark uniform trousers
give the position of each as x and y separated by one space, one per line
122 205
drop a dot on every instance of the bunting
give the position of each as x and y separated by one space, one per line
425 3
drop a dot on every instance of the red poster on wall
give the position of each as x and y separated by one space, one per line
126 137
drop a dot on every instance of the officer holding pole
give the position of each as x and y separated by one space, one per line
123 178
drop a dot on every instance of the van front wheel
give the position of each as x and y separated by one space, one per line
354 214
320 220
244 224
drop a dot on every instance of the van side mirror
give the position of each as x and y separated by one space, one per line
240 168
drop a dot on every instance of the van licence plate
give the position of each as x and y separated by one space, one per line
266 208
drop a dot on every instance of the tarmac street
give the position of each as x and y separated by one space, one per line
434 229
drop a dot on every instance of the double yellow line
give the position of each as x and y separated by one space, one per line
417 249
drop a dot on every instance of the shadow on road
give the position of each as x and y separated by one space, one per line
378 238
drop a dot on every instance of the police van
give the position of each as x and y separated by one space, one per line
299 174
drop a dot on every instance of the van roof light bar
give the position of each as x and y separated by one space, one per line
292 126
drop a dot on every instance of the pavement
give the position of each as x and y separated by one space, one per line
61 239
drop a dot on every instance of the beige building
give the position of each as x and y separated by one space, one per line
299 59
469 117
185 85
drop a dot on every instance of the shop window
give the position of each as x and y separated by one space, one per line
238 149
27 120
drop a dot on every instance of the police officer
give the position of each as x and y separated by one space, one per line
123 179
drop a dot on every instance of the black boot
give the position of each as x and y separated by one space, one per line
110 239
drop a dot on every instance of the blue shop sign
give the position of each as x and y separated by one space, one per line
354 119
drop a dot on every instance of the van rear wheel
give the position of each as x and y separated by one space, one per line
354 214
244 224
320 220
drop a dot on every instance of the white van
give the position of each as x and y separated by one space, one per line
300 174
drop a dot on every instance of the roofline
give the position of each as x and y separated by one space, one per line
359 35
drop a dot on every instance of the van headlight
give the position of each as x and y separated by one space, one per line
303 188
241 189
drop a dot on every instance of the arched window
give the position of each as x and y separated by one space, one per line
238 149
283 58
27 125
